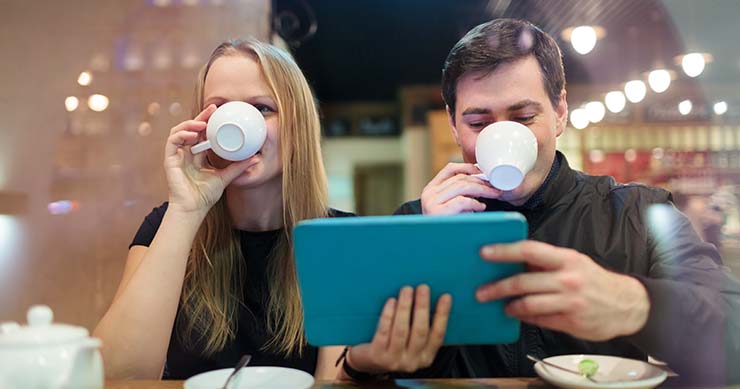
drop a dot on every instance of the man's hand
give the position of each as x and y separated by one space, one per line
567 291
454 190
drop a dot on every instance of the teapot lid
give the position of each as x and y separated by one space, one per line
40 330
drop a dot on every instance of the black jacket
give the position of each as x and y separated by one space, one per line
694 319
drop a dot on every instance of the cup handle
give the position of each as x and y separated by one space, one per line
480 176
200 147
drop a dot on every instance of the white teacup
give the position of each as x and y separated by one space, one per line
235 132
506 151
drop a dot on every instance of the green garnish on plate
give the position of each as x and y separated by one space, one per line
588 367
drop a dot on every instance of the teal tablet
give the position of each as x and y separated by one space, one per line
348 267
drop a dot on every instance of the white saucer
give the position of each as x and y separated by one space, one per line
252 377
614 372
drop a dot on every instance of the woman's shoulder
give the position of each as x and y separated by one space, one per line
337 213
149 226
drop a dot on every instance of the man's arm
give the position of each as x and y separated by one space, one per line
694 318
685 311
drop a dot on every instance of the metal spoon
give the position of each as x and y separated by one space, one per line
578 373
242 362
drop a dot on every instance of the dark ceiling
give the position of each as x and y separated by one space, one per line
366 49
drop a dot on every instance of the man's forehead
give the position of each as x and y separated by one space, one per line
526 67
508 84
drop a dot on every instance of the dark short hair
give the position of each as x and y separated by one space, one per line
502 41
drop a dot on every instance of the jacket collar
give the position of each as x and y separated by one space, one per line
560 180
562 183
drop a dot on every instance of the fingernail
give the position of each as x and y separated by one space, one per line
480 295
488 251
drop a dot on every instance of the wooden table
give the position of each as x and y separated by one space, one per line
406 383
530 383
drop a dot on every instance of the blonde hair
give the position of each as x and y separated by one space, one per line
213 285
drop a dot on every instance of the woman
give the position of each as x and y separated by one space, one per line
210 275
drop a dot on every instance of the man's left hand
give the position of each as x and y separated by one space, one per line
567 291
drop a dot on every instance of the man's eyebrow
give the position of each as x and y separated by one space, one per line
476 111
525 104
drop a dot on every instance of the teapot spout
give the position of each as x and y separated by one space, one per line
90 344
87 367
8 327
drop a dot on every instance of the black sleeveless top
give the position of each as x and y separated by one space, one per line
251 335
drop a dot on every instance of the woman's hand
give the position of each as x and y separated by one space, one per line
404 340
194 185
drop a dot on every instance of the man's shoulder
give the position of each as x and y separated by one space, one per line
610 189
412 207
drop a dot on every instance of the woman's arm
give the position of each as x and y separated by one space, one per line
136 328
325 366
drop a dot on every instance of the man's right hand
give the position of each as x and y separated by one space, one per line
194 185
454 190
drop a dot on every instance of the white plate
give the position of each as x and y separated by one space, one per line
252 377
619 372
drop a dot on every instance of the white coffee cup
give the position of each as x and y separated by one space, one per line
505 151
235 132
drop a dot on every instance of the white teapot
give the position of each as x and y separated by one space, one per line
46 355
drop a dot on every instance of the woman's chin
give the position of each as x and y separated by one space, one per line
254 176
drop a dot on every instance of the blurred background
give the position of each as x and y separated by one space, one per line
91 89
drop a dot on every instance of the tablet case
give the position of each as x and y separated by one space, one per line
348 267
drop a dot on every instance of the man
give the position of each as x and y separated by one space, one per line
612 269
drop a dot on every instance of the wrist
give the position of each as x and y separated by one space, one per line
185 221
358 365
186 214
636 306
358 374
